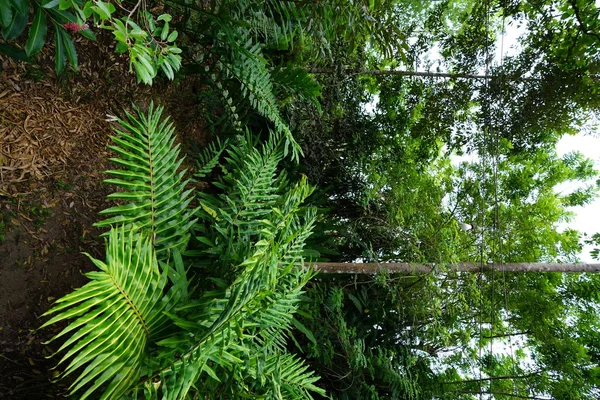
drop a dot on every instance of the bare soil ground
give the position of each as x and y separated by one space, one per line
53 137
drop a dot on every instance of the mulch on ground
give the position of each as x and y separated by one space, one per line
53 137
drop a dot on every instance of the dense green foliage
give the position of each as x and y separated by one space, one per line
394 194
328 94
149 48
159 324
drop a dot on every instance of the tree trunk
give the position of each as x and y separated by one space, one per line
424 268
402 73
417 73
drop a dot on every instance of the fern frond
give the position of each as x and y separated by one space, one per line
276 317
296 81
114 317
259 303
273 21
218 340
209 158
250 70
234 218
290 378
154 189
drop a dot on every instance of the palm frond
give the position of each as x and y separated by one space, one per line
154 189
114 316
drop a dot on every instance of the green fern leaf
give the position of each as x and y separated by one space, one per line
114 317
296 81
154 189
209 158
250 70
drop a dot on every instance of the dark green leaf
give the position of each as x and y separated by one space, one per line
121 48
50 4
70 49
63 16
60 60
14 52
16 27
87 33
22 6
6 13
37 33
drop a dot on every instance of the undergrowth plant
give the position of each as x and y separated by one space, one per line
148 39
191 302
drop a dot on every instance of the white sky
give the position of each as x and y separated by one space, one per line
586 220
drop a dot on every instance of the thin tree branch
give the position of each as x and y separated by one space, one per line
493 378
516 396
507 335
586 29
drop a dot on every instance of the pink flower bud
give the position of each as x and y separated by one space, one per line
75 27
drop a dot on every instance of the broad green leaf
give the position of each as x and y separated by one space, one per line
164 17
121 48
172 36
87 9
37 33
104 10
87 33
142 72
69 48
144 60
16 26
6 13
165 31
61 16
64 4
150 20
21 6
167 69
50 4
